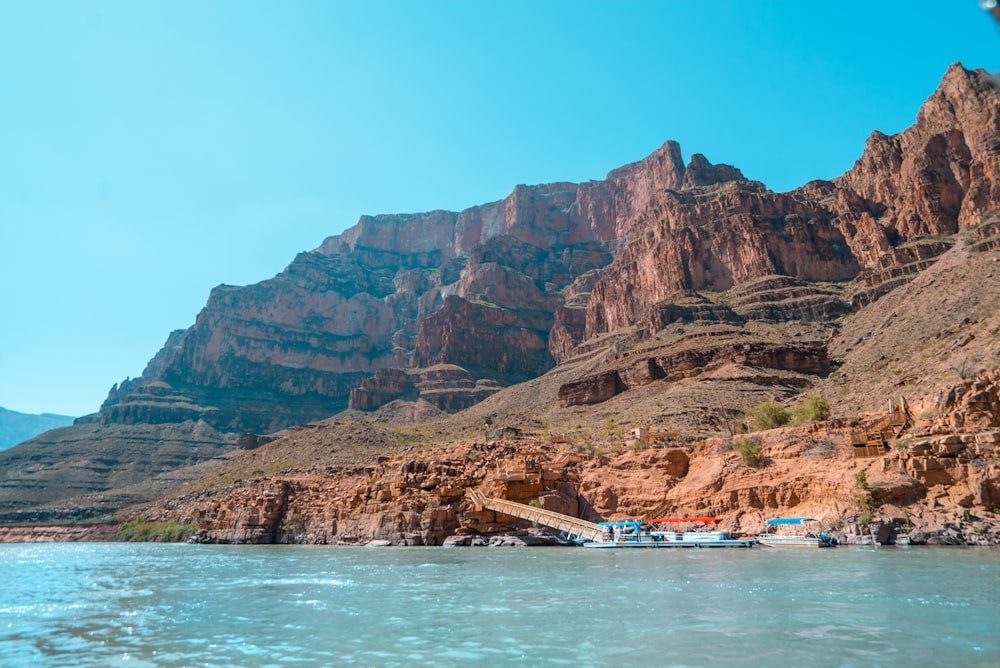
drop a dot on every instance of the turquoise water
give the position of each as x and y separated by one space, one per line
201 605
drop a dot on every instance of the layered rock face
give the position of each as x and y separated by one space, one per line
139 462
714 238
941 174
937 486
934 178
447 387
676 364
479 289
505 289
450 307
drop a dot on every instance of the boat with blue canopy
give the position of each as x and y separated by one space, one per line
811 539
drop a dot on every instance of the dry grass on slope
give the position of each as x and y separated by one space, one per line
940 328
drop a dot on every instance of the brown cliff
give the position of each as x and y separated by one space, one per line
496 288
716 240
934 178
939 175
386 293
684 291
938 483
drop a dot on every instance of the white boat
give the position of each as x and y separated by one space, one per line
633 533
811 539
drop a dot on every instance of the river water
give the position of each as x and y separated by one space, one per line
116 604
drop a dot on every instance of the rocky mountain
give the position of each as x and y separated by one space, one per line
478 289
668 294
19 427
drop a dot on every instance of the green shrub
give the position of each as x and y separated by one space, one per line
767 415
140 530
811 409
609 426
866 504
749 451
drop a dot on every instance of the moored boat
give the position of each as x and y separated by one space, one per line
655 534
811 539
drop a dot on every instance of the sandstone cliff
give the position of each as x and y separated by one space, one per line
479 289
938 485
934 178
665 293
502 289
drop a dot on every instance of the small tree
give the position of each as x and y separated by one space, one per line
811 409
767 415
749 451
866 517
866 503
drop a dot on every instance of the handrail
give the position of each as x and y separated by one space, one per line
571 525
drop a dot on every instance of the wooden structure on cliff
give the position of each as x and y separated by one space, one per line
527 470
573 526
874 440
640 433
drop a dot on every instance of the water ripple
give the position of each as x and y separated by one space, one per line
160 605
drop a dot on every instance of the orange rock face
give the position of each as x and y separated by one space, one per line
714 240
939 485
936 177
510 287
602 277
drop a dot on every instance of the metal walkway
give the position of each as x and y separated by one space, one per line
573 526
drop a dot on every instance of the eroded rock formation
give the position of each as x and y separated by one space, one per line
505 289
937 484
448 308
676 363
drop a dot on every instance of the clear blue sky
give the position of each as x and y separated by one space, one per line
152 150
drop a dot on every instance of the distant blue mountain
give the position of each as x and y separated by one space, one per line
19 427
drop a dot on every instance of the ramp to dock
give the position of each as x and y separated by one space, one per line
573 526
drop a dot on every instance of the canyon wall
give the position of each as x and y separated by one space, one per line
464 304
938 486
479 289
934 178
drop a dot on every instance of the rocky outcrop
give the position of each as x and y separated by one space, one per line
894 268
385 386
400 500
931 489
57 533
677 362
485 336
468 302
716 239
941 174
971 406
700 172
783 299
449 388
689 306
592 389
985 236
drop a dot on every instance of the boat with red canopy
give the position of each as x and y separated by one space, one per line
657 533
